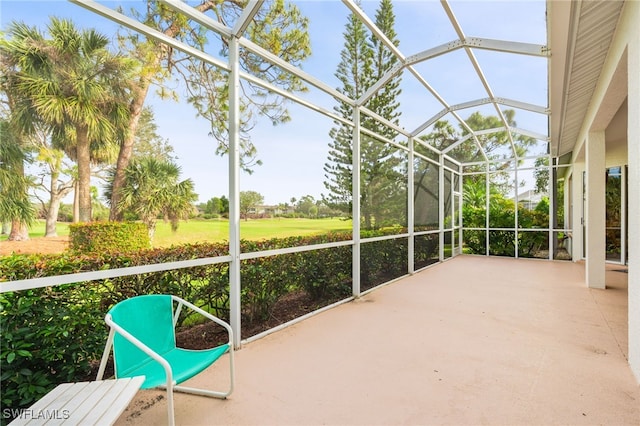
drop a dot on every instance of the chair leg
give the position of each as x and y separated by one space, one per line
202 392
214 394
170 410
105 354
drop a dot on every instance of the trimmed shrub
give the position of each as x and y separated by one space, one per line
96 237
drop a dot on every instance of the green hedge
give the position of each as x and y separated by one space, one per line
49 336
96 237
52 335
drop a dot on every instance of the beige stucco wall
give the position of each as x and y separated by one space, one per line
631 20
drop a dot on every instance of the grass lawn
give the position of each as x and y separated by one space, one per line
252 229
37 230
218 230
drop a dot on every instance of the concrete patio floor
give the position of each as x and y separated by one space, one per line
473 341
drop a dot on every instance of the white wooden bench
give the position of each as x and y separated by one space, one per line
83 403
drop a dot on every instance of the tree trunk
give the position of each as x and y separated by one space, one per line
151 226
52 212
76 204
52 217
84 174
140 91
19 231
55 198
126 147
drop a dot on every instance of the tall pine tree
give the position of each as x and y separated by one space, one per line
383 169
354 72
385 102
364 60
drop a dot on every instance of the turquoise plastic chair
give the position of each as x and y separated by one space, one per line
142 334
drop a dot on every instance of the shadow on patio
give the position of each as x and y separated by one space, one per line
475 340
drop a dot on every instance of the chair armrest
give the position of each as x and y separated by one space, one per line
207 315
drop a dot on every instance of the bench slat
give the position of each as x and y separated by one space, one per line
42 404
99 390
54 407
83 403
106 411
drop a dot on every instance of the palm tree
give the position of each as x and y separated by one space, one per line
14 201
76 87
152 189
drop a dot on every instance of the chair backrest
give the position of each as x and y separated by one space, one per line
149 318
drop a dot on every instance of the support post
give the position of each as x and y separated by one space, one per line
568 202
410 209
441 209
516 233
553 207
234 192
487 201
355 175
578 212
459 206
595 210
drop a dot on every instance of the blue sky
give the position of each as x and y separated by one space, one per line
293 154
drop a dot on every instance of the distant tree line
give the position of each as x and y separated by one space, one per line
252 205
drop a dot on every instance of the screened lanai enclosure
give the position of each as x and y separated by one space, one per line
442 148
425 126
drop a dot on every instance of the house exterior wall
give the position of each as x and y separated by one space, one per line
624 51
632 10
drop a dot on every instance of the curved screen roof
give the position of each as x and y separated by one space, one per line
454 58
